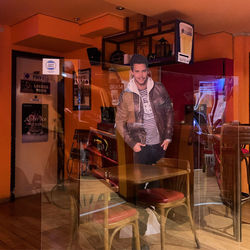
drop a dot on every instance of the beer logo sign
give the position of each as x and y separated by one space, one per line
51 66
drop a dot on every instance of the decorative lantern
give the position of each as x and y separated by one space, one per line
162 48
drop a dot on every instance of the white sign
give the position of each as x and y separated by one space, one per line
51 66
186 42
184 58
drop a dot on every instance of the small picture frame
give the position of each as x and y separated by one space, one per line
82 89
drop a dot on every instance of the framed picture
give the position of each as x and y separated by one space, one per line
34 122
82 90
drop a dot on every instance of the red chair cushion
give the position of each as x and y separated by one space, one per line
244 151
159 195
115 214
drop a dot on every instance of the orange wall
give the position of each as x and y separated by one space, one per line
36 51
219 45
241 70
71 121
5 104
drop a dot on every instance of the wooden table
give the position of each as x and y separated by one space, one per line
135 174
142 173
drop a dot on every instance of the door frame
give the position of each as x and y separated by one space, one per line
60 110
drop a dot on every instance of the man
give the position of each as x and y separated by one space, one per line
144 115
144 119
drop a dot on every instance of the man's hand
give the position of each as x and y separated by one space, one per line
164 145
137 147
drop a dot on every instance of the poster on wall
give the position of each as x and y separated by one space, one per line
184 42
82 90
34 122
35 83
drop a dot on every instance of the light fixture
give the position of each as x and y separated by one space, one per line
120 8
76 19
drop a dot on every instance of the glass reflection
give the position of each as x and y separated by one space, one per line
102 181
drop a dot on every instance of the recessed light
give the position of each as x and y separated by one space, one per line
120 8
76 19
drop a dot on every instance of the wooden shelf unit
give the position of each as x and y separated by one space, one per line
134 36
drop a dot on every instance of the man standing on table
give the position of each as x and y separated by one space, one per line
144 115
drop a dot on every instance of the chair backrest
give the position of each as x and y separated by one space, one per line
228 158
90 196
233 137
174 163
94 198
178 183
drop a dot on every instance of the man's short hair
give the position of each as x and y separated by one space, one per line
138 59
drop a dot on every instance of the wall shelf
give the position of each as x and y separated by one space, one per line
144 33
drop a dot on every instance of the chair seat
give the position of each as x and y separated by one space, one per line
159 195
244 151
115 213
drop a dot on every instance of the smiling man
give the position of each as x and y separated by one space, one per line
144 115
144 118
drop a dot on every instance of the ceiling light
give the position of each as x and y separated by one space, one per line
120 8
76 19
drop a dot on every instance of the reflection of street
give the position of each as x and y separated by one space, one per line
210 104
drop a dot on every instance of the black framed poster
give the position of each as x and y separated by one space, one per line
82 90
34 122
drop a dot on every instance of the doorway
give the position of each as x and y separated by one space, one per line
37 152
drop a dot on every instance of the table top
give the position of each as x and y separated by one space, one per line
142 173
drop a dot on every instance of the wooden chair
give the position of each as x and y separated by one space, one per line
234 148
166 199
94 202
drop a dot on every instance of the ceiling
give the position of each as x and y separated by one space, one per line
208 16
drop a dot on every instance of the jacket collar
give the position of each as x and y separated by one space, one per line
133 88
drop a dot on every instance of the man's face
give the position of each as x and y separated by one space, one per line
140 74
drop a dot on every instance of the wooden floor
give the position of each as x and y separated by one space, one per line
20 224
29 223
